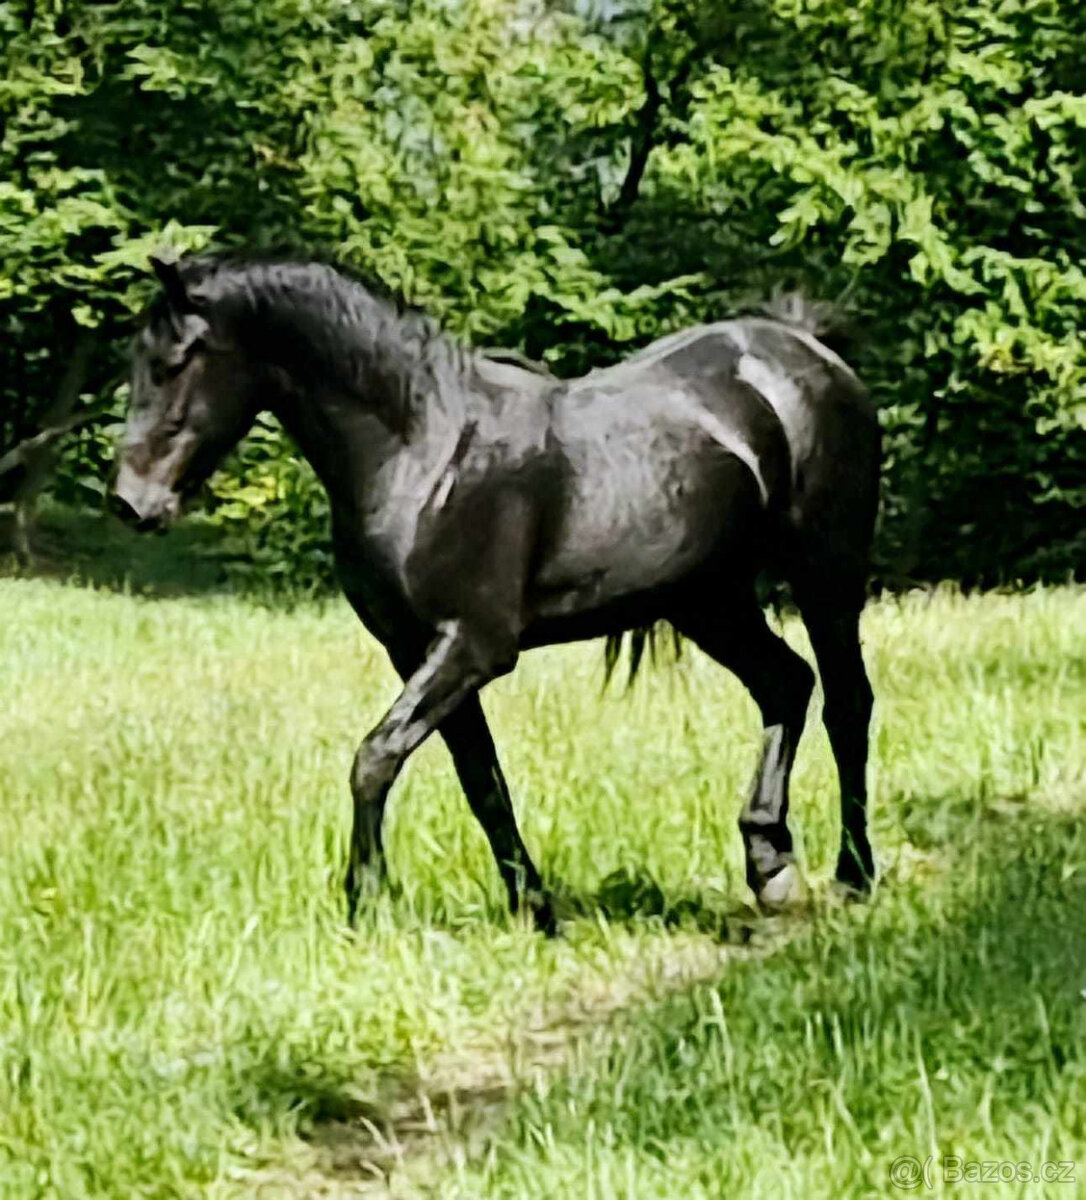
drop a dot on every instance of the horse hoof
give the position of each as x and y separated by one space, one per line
546 924
543 917
782 889
855 867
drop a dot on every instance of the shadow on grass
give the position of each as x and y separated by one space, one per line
965 987
363 1127
359 1132
629 895
961 996
84 547
313 1098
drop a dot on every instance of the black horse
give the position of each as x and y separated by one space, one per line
481 508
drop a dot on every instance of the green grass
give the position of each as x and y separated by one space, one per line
182 1013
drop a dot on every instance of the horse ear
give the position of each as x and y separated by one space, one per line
173 285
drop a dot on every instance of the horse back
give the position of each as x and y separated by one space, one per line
826 421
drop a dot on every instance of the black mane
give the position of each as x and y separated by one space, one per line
325 321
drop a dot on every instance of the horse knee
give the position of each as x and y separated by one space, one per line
371 772
502 658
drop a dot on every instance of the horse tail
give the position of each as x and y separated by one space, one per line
641 639
826 320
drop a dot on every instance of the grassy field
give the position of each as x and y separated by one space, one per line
182 1013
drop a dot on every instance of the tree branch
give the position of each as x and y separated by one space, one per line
37 459
25 451
644 136
641 143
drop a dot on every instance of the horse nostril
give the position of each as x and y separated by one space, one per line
120 507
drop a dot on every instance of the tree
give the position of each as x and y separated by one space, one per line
574 180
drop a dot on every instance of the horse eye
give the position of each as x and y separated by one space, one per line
174 421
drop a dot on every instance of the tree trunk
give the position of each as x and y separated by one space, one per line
38 456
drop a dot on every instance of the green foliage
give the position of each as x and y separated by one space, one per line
276 515
575 180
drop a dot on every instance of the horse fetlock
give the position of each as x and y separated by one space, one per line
364 882
527 894
768 846
784 888
772 872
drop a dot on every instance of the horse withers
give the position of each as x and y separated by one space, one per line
480 508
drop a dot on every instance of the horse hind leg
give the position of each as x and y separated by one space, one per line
826 556
780 682
831 612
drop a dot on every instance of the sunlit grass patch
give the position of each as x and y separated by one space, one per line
179 1001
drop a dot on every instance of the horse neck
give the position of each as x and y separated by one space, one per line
350 433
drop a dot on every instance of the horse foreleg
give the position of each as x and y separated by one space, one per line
456 664
472 748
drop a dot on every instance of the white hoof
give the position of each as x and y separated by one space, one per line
783 889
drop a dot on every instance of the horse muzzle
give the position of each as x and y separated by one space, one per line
142 503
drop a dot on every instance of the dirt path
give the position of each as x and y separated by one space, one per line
450 1109
455 1103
